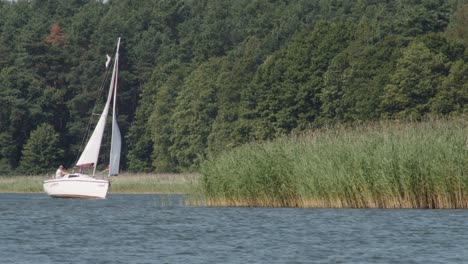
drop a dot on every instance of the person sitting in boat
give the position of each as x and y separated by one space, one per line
60 172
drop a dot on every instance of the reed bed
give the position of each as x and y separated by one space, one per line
163 183
126 183
389 164
21 184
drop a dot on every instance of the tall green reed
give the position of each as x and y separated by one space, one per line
390 164
21 184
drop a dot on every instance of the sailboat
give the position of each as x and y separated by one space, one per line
80 185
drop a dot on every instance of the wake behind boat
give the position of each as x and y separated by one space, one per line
79 185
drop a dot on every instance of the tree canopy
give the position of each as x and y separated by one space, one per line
201 77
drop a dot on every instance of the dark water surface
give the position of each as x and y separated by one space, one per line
160 229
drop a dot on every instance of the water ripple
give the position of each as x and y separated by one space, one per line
160 229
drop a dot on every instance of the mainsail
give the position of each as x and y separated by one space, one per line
90 154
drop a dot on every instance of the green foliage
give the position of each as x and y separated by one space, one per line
354 81
288 84
458 30
41 152
197 106
228 128
418 76
453 95
201 77
161 126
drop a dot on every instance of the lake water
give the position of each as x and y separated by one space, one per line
160 229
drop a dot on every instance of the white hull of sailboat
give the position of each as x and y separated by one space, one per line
77 186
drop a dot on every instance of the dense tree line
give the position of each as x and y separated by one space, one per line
201 77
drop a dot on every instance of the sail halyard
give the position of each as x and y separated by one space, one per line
116 139
90 154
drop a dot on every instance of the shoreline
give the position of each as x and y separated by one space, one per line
126 183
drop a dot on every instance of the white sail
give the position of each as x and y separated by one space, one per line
116 140
90 154
116 145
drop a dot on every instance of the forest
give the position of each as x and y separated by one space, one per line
200 77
